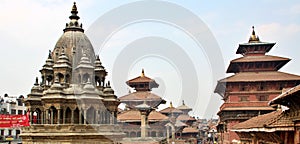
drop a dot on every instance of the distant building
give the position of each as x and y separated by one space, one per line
171 124
10 106
130 118
256 80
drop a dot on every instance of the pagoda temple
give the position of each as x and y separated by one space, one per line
140 121
180 124
256 80
171 124
71 103
142 86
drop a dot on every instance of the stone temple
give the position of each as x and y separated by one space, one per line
72 103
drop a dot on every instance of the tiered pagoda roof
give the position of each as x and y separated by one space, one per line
135 116
184 108
254 52
171 110
261 76
256 80
142 96
142 83
143 86
185 117
255 65
189 130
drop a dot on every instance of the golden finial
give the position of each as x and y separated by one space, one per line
143 73
171 105
253 31
74 8
253 37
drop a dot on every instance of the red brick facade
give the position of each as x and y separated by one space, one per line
256 81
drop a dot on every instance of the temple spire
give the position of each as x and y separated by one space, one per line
143 73
253 37
74 25
253 31
171 104
74 12
36 81
50 55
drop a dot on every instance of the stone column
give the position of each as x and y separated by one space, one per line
80 113
107 117
112 118
144 131
97 117
103 113
64 116
30 117
58 116
51 116
42 117
168 134
84 116
72 116
144 111
47 116
173 133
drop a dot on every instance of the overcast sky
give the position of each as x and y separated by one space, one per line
29 28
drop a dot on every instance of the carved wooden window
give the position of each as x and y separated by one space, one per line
244 98
263 97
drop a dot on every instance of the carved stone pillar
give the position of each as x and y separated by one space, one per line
51 116
30 117
112 118
72 116
144 132
168 134
107 117
47 116
42 117
64 115
80 113
97 116
103 117
84 116
58 116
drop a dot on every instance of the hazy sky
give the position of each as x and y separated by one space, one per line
29 28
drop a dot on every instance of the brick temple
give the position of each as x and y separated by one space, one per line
280 126
256 80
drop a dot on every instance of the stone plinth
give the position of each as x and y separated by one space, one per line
71 134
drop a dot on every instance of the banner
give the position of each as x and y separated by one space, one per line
11 121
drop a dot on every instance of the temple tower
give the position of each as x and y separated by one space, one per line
256 80
72 103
